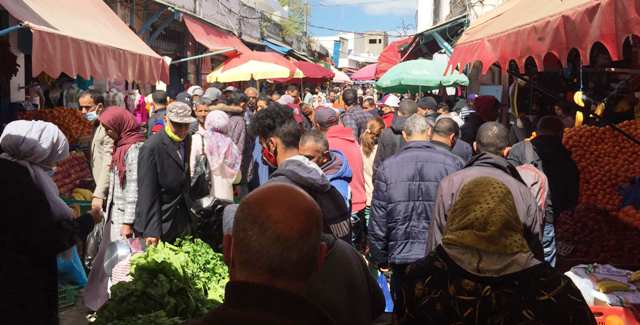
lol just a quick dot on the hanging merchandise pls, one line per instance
(9, 66)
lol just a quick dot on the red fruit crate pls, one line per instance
(606, 315)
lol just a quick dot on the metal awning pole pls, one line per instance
(200, 56)
(11, 29)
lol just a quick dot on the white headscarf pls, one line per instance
(38, 146)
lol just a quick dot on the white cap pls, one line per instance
(195, 91)
(392, 101)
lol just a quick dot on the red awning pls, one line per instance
(519, 29)
(214, 38)
(85, 38)
(391, 55)
(312, 72)
(366, 73)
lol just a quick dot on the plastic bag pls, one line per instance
(92, 244)
(70, 269)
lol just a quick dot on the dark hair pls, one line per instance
(564, 106)
(367, 138)
(492, 137)
(350, 97)
(445, 127)
(292, 88)
(550, 125)
(265, 98)
(276, 121)
(97, 96)
(443, 106)
(315, 136)
(370, 101)
(159, 97)
(408, 107)
(237, 98)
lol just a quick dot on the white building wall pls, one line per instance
(424, 15)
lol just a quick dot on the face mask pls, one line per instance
(269, 157)
(91, 116)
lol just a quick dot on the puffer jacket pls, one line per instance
(339, 173)
(390, 141)
(301, 172)
(404, 195)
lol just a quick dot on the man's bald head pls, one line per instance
(276, 234)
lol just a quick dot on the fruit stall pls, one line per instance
(599, 242)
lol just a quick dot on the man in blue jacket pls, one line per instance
(315, 146)
(404, 195)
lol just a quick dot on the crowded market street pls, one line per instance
(291, 162)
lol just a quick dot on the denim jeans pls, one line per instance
(549, 243)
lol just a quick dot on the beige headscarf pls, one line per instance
(484, 234)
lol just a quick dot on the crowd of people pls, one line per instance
(332, 188)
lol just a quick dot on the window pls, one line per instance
(379, 40)
(372, 41)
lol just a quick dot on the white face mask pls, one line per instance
(91, 116)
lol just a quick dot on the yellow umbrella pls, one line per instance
(256, 66)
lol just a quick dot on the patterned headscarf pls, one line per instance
(221, 151)
(485, 218)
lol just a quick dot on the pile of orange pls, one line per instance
(630, 215)
(606, 160)
(70, 121)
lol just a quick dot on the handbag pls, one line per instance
(208, 222)
(201, 179)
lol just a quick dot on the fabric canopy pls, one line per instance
(519, 29)
(391, 55)
(366, 73)
(340, 77)
(254, 65)
(419, 75)
(85, 38)
(214, 38)
(276, 47)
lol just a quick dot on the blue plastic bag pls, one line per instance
(384, 286)
(70, 269)
(631, 193)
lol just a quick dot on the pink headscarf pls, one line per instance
(221, 151)
(124, 124)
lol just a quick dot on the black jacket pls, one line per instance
(344, 286)
(252, 303)
(469, 129)
(301, 172)
(390, 141)
(163, 180)
(30, 239)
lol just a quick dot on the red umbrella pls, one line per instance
(312, 72)
(391, 55)
(366, 73)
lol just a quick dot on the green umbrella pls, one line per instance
(419, 75)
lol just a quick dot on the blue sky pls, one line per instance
(362, 15)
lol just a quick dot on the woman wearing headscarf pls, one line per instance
(222, 154)
(121, 126)
(484, 272)
(36, 225)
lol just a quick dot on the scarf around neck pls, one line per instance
(125, 125)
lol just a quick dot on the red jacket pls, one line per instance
(387, 118)
(341, 138)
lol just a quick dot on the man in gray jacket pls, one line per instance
(492, 145)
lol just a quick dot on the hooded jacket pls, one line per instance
(339, 174)
(341, 138)
(390, 141)
(403, 198)
(489, 165)
(301, 172)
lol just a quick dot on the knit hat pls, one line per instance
(326, 117)
(427, 103)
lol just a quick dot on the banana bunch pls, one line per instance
(634, 277)
(81, 194)
(608, 286)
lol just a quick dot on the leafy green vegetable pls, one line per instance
(182, 281)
